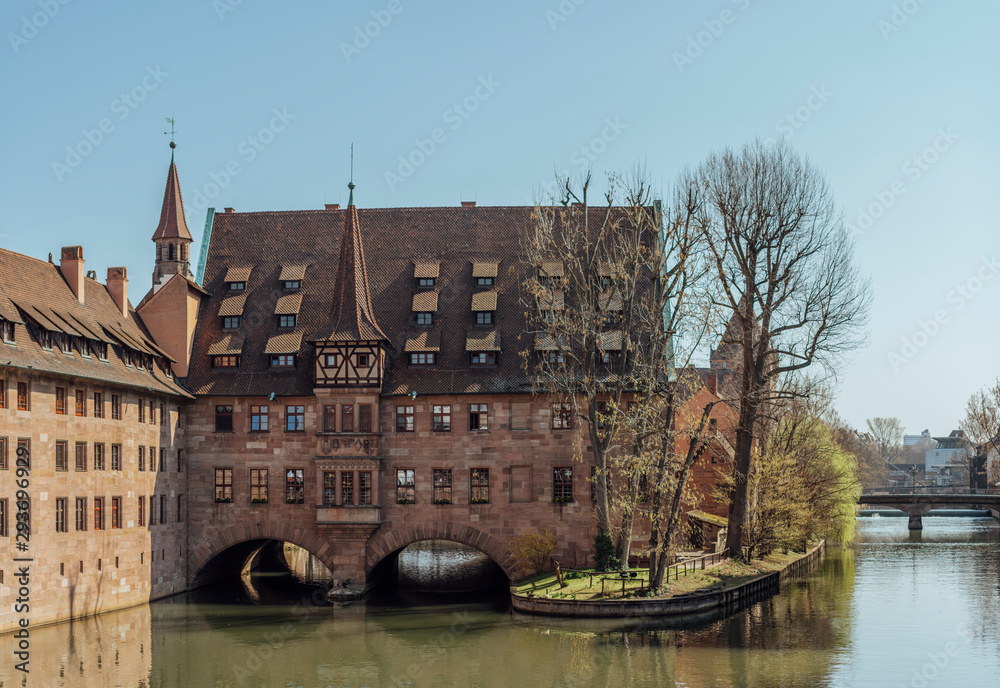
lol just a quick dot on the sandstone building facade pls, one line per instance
(348, 380)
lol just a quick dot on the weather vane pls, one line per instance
(170, 121)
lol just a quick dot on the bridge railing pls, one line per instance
(890, 489)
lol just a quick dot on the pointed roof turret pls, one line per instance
(172, 223)
(353, 317)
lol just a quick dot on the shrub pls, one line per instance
(607, 557)
(531, 550)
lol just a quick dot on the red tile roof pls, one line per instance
(44, 301)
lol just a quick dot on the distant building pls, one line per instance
(948, 462)
(925, 436)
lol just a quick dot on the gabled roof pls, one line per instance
(42, 300)
(172, 223)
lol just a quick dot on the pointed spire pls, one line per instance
(350, 184)
(172, 223)
(353, 317)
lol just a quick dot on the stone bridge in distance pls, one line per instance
(917, 501)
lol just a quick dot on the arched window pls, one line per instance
(171, 252)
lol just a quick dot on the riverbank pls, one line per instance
(726, 583)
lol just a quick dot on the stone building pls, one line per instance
(90, 397)
(347, 380)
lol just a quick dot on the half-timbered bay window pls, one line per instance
(405, 486)
(479, 480)
(441, 418)
(404, 419)
(295, 491)
(223, 417)
(442, 486)
(259, 418)
(562, 416)
(562, 484)
(258, 486)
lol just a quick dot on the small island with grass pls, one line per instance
(690, 586)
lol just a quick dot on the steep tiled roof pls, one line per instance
(42, 300)
(353, 317)
(448, 242)
(172, 223)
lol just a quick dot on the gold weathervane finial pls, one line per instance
(170, 121)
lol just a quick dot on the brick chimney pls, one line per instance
(713, 382)
(71, 267)
(118, 288)
(332, 206)
(468, 204)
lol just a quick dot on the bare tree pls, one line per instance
(887, 438)
(786, 272)
(981, 426)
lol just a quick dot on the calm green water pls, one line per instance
(871, 615)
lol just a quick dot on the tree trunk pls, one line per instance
(741, 472)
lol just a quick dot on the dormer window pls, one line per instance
(283, 361)
(291, 285)
(45, 340)
(101, 349)
(422, 358)
(426, 274)
(484, 318)
(225, 361)
(66, 344)
(7, 331)
(483, 358)
(291, 277)
(85, 347)
(286, 320)
(484, 281)
(237, 286)
(425, 319)
(484, 274)
(230, 322)
(551, 273)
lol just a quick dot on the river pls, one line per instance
(895, 609)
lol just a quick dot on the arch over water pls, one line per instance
(390, 542)
(227, 547)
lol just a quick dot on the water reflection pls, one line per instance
(871, 615)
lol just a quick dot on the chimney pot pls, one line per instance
(333, 206)
(468, 204)
(71, 266)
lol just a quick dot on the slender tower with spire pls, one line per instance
(172, 238)
(350, 347)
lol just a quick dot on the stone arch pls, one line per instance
(388, 542)
(227, 538)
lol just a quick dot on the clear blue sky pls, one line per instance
(513, 91)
